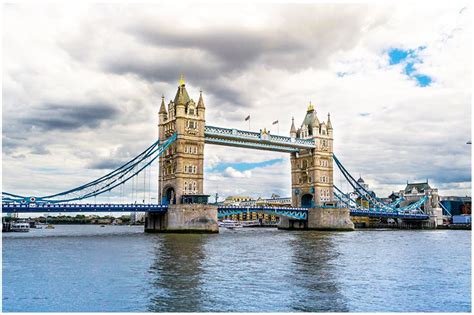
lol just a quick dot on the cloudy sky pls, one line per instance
(82, 86)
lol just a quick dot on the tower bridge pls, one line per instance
(183, 206)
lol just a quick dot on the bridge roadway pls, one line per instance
(291, 212)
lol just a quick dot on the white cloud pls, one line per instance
(233, 173)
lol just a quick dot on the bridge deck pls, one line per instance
(292, 212)
(43, 208)
(393, 215)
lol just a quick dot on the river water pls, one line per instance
(120, 268)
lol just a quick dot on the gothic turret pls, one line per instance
(293, 128)
(329, 121)
(310, 126)
(201, 101)
(162, 107)
(182, 96)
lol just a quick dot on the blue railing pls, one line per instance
(57, 207)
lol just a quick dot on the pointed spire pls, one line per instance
(310, 107)
(329, 121)
(162, 107)
(201, 101)
(293, 128)
(182, 97)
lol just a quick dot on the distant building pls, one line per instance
(137, 217)
(356, 200)
(274, 201)
(246, 201)
(415, 191)
(236, 200)
(394, 196)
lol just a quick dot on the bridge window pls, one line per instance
(192, 124)
(304, 164)
(190, 149)
(190, 169)
(191, 111)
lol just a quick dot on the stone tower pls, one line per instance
(182, 164)
(312, 169)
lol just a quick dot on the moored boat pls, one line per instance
(20, 227)
(229, 224)
(250, 223)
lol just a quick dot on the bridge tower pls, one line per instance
(312, 169)
(181, 166)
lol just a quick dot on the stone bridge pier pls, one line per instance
(322, 219)
(183, 218)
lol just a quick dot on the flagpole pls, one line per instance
(248, 118)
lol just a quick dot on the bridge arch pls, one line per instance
(307, 201)
(169, 195)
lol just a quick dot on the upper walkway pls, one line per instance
(255, 140)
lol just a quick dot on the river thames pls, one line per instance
(121, 269)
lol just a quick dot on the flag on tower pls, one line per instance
(275, 122)
(248, 117)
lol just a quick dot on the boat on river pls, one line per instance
(229, 224)
(20, 227)
(251, 223)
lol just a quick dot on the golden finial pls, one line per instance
(181, 80)
(310, 107)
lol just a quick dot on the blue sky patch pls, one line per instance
(243, 166)
(397, 55)
(341, 74)
(409, 59)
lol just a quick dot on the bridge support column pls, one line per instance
(325, 219)
(183, 218)
(337, 219)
